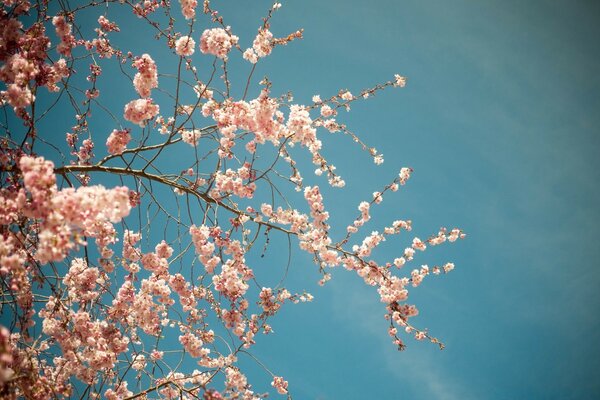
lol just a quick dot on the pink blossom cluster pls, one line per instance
(260, 116)
(18, 96)
(188, 8)
(117, 141)
(13, 270)
(130, 252)
(297, 221)
(88, 344)
(272, 302)
(39, 180)
(193, 345)
(301, 130)
(261, 46)
(234, 320)
(81, 281)
(417, 275)
(153, 263)
(364, 208)
(84, 206)
(316, 238)
(187, 299)
(231, 281)
(404, 175)
(204, 247)
(106, 235)
(119, 392)
(217, 41)
(368, 244)
(191, 136)
(346, 95)
(399, 80)
(23, 60)
(85, 152)
(140, 309)
(65, 212)
(6, 358)
(101, 44)
(397, 226)
(146, 78)
(232, 182)
(184, 46)
(140, 111)
(235, 380)
(202, 91)
(443, 235)
(63, 31)
(106, 25)
(143, 8)
(280, 384)
(392, 290)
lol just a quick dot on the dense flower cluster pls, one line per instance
(117, 141)
(261, 47)
(188, 8)
(232, 182)
(184, 46)
(63, 31)
(66, 212)
(146, 78)
(23, 53)
(217, 41)
(140, 111)
(191, 136)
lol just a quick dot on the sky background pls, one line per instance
(500, 121)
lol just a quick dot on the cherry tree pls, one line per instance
(131, 248)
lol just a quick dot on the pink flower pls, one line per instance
(404, 175)
(106, 25)
(147, 77)
(117, 141)
(280, 384)
(263, 43)
(63, 31)
(250, 56)
(399, 80)
(18, 96)
(191, 137)
(217, 41)
(140, 111)
(184, 46)
(188, 8)
(346, 95)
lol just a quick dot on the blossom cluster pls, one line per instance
(217, 41)
(140, 111)
(117, 141)
(100, 291)
(146, 78)
(261, 46)
(68, 211)
(184, 46)
(24, 56)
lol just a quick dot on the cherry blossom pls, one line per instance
(184, 46)
(124, 236)
(217, 41)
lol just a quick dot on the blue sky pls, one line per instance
(500, 122)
